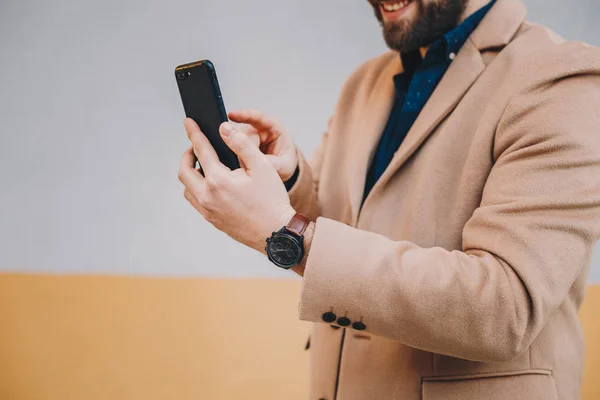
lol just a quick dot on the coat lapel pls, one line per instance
(494, 31)
(459, 77)
(376, 111)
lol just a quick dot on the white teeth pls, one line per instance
(395, 6)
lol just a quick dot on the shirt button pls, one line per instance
(452, 56)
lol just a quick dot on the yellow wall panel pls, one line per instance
(97, 337)
(135, 338)
(590, 318)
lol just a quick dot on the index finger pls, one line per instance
(257, 119)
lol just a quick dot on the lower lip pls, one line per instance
(394, 15)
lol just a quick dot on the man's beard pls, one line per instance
(432, 20)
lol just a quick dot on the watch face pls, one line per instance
(285, 250)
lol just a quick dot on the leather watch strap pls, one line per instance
(298, 224)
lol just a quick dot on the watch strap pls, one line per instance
(298, 224)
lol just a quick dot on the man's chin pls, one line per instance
(400, 38)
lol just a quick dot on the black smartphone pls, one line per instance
(202, 102)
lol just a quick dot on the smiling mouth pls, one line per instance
(394, 6)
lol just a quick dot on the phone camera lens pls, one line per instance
(181, 75)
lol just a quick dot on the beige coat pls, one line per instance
(467, 262)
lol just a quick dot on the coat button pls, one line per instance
(344, 321)
(329, 317)
(359, 326)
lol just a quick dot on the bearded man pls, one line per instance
(444, 226)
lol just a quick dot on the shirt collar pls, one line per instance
(456, 38)
(450, 43)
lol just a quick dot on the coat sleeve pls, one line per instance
(303, 194)
(522, 248)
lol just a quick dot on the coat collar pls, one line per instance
(500, 25)
(496, 30)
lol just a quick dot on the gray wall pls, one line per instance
(91, 122)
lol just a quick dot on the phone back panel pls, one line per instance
(202, 101)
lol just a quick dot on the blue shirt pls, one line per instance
(413, 88)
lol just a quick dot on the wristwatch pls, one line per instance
(285, 248)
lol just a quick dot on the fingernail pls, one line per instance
(227, 128)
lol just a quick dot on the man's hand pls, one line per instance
(248, 203)
(268, 134)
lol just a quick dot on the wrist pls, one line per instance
(285, 246)
(285, 218)
(275, 225)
